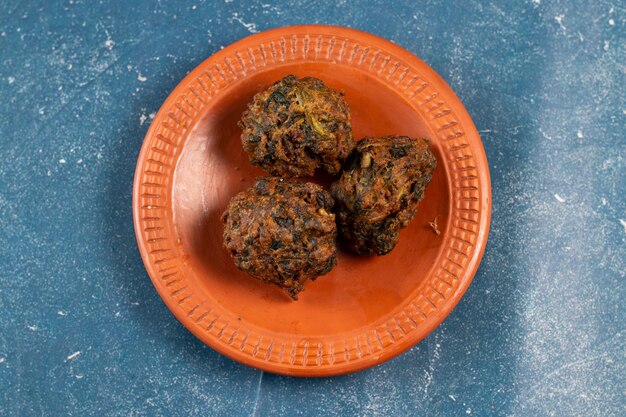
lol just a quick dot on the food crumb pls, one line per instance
(433, 225)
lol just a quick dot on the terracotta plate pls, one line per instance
(366, 310)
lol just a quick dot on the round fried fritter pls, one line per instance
(379, 192)
(282, 232)
(297, 126)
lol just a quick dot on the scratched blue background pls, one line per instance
(541, 329)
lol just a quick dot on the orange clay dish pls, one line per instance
(367, 309)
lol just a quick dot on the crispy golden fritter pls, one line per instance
(297, 126)
(282, 232)
(378, 193)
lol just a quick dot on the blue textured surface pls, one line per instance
(540, 332)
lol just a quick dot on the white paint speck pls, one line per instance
(69, 66)
(109, 42)
(468, 411)
(452, 397)
(10, 79)
(559, 198)
(62, 161)
(151, 115)
(32, 327)
(134, 303)
(2, 359)
(78, 376)
(559, 20)
(73, 356)
(606, 45)
(129, 67)
(611, 22)
(62, 313)
(604, 202)
(142, 119)
(141, 78)
(117, 314)
(544, 134)
(623, 222)
(49, 173)
(193, 7)
(579, 134)
(250, 26)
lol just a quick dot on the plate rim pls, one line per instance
(394, 349)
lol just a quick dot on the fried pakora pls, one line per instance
(379, 192)
(282, 232)
(297, 126)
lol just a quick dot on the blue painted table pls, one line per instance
(541, 331)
